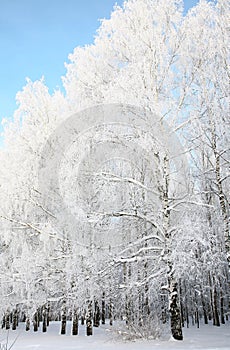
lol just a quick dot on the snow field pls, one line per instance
(104, 338)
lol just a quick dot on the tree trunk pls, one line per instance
(127, 310)
(181, 308)
(204, 309)
(110, 312)
(83, 317)
(222, 202)
(75, 322)
(197, 318)
(48, 315)
(212, 314)
(27, 324)
(14, 319)
(63, 318)
(35, 321)
(174, 306)
(44, 319)
(89, 326)
(7, 320)
(222, 308)
(174, 309)
(3, 321)
(215, 304)
(103, 309)
(96, 316)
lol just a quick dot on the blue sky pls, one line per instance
(36, 37)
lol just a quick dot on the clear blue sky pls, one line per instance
(36, 37)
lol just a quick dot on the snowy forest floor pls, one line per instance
(104, 338)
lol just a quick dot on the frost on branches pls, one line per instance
(115, 195)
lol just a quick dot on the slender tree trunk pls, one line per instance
(222, 202)
(89, 325)
(35, 321)
(17, 318)
(3, 321)
(222, 308)
(125, 278)
(48, 315)
(110, 312)
(63, 318)
(221, 302)
(212, 314)
(215, 304)
(96, 316)
(221, 195)
(7, 320)
(14, 319)
(146, 302)
(163, 309)
(174, 305)
(204, 308)
(140, 298)
(39, 316)
(181, 307)
(75, 322)
(127, 311)
(82, 317)
(103, 309)
(187, 316)
(197, 318)
(44, 319)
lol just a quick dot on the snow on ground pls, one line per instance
(205, 338)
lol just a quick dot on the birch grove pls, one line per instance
(115, 193)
